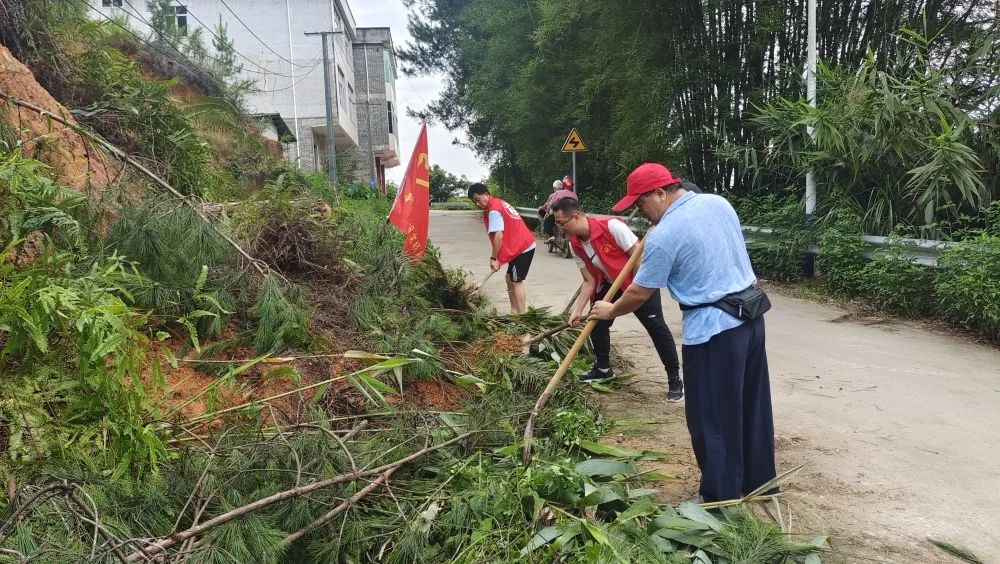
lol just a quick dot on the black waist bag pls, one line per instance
(746, 304)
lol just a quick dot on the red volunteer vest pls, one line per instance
(516, 235)
(612, 256)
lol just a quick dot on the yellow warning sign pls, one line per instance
(574, 143)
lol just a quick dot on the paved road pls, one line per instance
(900, 425)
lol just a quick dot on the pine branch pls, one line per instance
(258, 264)
(326, 517)
(158, 546)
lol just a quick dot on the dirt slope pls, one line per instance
(76, 164)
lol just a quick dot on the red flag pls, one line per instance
(411, 211)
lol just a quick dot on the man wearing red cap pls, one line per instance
(696, 250)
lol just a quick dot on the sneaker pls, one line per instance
(597, 374)
(675, 392)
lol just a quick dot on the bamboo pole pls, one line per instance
(483, 283)
(529, 429)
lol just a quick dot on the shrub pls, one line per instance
(778, 256)
(841, 255)
(895, 283)
(967, 284)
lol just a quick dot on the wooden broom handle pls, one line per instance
(529, 429)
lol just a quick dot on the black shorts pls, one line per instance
(517, 269)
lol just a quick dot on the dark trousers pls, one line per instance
(549, 224)
(650, 314)
(728, 408)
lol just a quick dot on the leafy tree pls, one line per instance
(163, 21)
(227, 66)
(646, 80)
(444, 185)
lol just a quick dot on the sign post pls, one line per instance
(574, 144)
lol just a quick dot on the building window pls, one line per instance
(180, 12)
(350, 101)
(341, 88)
(392, 118)
(387, 63)
(111, 3)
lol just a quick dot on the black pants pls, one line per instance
(549, 224)
(728, 408)
(650, 314)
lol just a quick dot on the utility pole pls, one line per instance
(809, 262)
(331, 150)
(811, 98)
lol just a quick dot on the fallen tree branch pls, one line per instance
(158, 546)
(51, 490)
(532, 340)
(326, 517)
(529, 429)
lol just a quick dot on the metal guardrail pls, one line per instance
(920, 251)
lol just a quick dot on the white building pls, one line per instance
(286, 64)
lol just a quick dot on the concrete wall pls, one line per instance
(285, 63)
(372, 51)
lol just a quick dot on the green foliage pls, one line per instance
(777, 255)
(902, 142)
(282, 320)
(182, 260)
(519, 74)
(893, 282)
(445, 185)
(967, 284)
(135, 113)
(73, 353)
(244, 160)
(30, 202)
(841, 255)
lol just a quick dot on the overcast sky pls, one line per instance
(417, 93)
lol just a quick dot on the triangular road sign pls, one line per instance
(574, 143)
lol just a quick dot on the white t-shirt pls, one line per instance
(623, 237)
(496, 223)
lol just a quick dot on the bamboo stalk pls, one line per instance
(157, 546)
(529, 429)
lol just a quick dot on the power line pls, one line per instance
(298, 79)
(262, 42)
(177, 48)
(209, 29)
(183, 61)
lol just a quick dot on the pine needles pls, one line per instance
(956, 551)
(282, 321)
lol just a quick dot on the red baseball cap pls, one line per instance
(646, 178)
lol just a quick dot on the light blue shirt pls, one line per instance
(697, 252)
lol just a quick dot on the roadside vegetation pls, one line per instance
(240, 371)
(905, 141)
